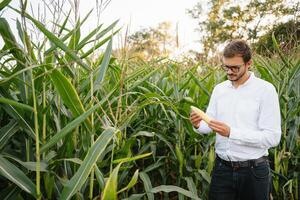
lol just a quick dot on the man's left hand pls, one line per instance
(220, 127)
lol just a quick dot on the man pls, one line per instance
(246, 117)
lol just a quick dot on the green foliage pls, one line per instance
(227, 19)
(287, 35)
(118, 129)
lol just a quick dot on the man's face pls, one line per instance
(235, 67)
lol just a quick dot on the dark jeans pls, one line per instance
(244, 183)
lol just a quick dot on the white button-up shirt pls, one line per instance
(252, 112)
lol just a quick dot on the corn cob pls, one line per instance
(202, 114)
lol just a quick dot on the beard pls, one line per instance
(237, 76)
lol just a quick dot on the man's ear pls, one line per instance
(249, 63)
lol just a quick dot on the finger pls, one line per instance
(215, 125)
(195, 120)
(216, 128)
(195, 117)
(194, 113)
(216, 122)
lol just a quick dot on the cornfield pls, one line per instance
(78, 126)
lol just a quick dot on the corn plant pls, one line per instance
(283, 72)
(77, 123)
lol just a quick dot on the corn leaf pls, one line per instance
(172, 188)
(132, 182)
(55, 40)
(68, 94)
(68, 128)
(111, 186)
(132, 158)
(147, 184)
(6, 132)
(4, 3)
(104, 65)
(10, 43)
(16, 104)
(100, 178)
(191, 185)
(84, 170)
(15, 175)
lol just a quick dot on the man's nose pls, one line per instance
(229, 71)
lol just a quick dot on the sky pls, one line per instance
(136, 14)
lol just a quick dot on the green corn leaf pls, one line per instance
(191, 185)
(100, 178)
(75, 38)
(10, 193)
(99, 44)
(17, 116)
(132, 182)
(18, 73)
(155, 165)
(162, 138)
(84, 170)
(68, 35)
(144, 133)
(147, 184)
(199, 83)
(62, 28)
(68, 94)
(205, 175)
(73, 160)
(283, 58)
(264, 72)
(7, 132)
(142, 80)
(68, 128)
(132, 158)
(15, 175)
(4, 3)
(171, 188)
(107, 29)
(11, 44)
(98, 36)
(29, 165)
(111, 186)
(135, 197)
(104, 65)
(55, 40)
(83, 42)
(16, 104)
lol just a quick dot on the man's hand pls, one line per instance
(195, 119)
(220, 127)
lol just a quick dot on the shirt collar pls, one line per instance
(248, 81)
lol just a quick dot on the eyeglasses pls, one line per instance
(233, 68)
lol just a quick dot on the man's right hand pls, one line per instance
(195, 119)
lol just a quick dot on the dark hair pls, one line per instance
(237, 48)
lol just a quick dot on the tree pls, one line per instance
(152, 42)
(287, 34)
(222, 20)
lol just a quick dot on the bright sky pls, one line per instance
(138, 13)
(148, 13)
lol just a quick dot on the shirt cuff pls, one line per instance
(203, 128)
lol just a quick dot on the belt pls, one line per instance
(247, 163)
